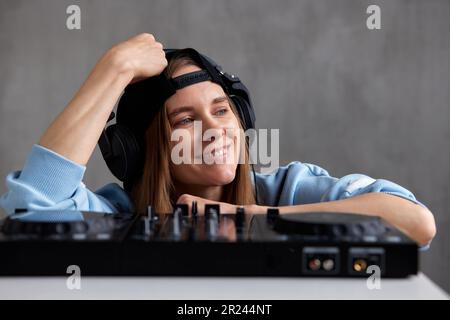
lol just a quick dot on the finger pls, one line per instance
(158, 45)
(184, 198)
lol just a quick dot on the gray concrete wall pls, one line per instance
(345, 98)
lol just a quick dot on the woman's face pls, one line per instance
(206, 102)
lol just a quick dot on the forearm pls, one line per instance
(75, 131)
(414, 220)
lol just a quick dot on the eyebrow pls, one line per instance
(179, 110)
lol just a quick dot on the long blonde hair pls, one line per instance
(155, 187)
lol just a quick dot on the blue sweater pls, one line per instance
(50, 181)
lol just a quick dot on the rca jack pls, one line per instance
(360, 265)
(328, 265)
(314, 264)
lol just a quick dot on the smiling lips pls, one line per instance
(219, 152)
(217, 155)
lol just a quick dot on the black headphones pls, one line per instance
(123, 144)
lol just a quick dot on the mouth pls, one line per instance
(220, 152)
(218, 155)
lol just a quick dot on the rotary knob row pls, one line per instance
(16, 227)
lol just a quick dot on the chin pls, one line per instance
(219, 174)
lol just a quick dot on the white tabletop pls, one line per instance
(192, 288)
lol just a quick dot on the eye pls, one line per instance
(184, 121)
(221, 112)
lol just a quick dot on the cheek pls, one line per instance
(182, 140)
(238, 136)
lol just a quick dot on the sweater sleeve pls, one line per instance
(302, 183)
(49, 181)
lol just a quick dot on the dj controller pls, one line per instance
(184, 243)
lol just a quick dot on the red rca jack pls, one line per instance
(314, 264)
(320, 260)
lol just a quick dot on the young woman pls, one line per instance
(52, 175)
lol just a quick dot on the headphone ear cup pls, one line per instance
(126, 152)
(245, 112)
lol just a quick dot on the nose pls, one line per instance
(209, 121)
(213, 129)
(211, 124)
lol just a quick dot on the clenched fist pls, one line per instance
(140, 57)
